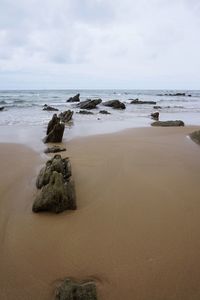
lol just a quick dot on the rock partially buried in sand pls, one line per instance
(66, 116)
(76, 98)
(71, 290)
(115, 104)
(137, 101)
(56, 135)
(54, 149)
(176, 123)
(58, 164)
(195, 136)
(49, 108)
(56, 196)
(89, 104)
(155, 116)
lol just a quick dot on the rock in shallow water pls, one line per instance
(89, 104)
(155, 116)
(76, 98)
(55, 130)
(66, 116)
(71, 290)
(49, 108)
(176, 123)
(115, 104)
(54, 149)
(137, 101)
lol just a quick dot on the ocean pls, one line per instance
(25, 108)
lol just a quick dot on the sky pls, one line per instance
(99, 44)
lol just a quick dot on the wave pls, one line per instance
(3, 102)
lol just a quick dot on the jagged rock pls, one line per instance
(49, 108)
(137, 101)
(89, 104)
(71, 290)
(66, 116)
(157, 107)
(55, 120)
(56, 196)
(58, 164)
(54, 149)
(56, 135)
(155, 116)
(76, 98)
(104, 112)
(115, 104)
(2, 108)
(175, 123)
(85, 112)
(195, 136)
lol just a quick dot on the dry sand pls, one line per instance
(136, 230)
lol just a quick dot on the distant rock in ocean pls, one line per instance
(2, 108)
(76, 98)
(137, 101)
(114, 104)
(49, 108)
(89, 104)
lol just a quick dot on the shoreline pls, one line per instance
(136, 227)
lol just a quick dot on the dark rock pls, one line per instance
(49, 108)
(136, 101)
(2, 108)
(66, 116)
(89, 104)
(173, 94)
(104, 112)
(195, 136)
(55, 120)
(155, 116)
(56, 196)
(115, 104)
(56, 134)
(58, 164)
(176, 123)
(71, 290)
(157, 107)
(76, 98)
(54, 149)
(85, 112)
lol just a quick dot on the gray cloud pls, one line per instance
(99, 43)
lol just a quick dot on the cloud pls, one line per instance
(99, 43)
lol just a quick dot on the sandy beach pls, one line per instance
(136, 230)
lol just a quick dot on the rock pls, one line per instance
(155, 116)
(104, 112)
(76, 98)
(71, 290)
(58, 164)
(56, 196)
(49, 108)
(56, 134)
(55, 120)
(173, 95)
(89, 104)
(66, 116)
(195, 136)
(85, 112)
(2, 108)
(157, 107)
(136, 101)
(176, 123)
(115, 104)
(54, 149)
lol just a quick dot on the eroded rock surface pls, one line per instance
(66, 116)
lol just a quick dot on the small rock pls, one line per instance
(54, 149)
(115, 104)
(104, 112)
(2, 108)
(66, 116)
(49, 108)
(155, 116)
(76, 98)
(85, 112)
(175, 123)
(137, 101)
(71, 290)
(157, 107)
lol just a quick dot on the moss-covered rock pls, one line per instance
(71, 290)
(195, 136)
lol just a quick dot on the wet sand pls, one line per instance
(136, 230)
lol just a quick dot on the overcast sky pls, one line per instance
(100, 44)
